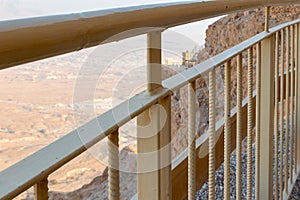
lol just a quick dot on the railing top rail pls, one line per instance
(179, 80)
(32, 39)
(13, 180)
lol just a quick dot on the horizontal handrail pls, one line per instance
(28, 40)
(13, 180)
(73, 144)
(191, 74)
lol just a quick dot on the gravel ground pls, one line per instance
(296, 191)
(203, 192)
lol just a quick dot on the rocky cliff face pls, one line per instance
(223, 34)
(234, 28)
(226, 33)
(98, 188)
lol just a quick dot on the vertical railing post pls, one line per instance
(113, 166)
(239, 127)
(276, 114)
(267, 119)
(287, 109)
(297, 100)
(227, 130)
(192, 141)
(41, 190)
(292, 132)
(154, 164)
(165, 149)
(249, 123)
(153, 61)
(257, 123)
(281, 112)
(267, 18)
(211, 132)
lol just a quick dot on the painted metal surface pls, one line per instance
(297, 96)
(258, 119)
(239, 127)
(292, 104)
(281, 113)
(267, 118)
(287, 106)
(275, 121)
(28, 40)
(211, 133)
(165, 151)
(192, 141)
(148, 127)
(41, 190)
(113, 166)
(249, 122)
(227, 131)
(179, 166)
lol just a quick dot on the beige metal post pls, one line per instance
(113, 166)
(227, 131)
(267, 18)
(148, 126)
(250, 123)
(41, 190)
(153, 61)
(287, 108)
(297, 100)
(276, 115)
(211, 132)
(148, 144)
(281, 112)
(257, 123)
(292, 132)
(192, 142)
(239, 127)
(296, 93)
(154, 133)
(165, 150)
(267, 119)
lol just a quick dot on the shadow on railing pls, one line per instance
(276, 50)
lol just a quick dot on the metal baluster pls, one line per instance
(287, 110)
(281, 111)
(267, 18)
(250, 123)
(276, 114)
(296, 96)
(41, 190)
(165, 149)
(227, 131)
(192, 142)
(292, 104)
(257, 138)
(239, 128)
(212, 121)
(113, 166)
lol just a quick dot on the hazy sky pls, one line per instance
(12, 9)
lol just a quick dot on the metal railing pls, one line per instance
(277, 58)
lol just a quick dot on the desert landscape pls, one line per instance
(41, 102)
